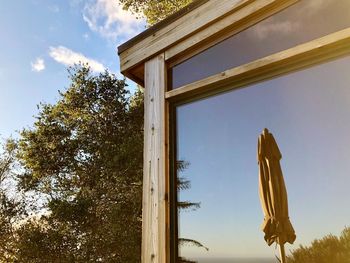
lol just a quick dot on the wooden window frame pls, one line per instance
(159, 178)
(305, 55)
(208, 24)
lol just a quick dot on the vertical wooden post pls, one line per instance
(154, 215)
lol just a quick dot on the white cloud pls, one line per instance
(108, 18)
(68, 57)
(38, 65)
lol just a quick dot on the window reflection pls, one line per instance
(302, 22)
(218, 202)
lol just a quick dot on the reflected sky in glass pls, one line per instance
(308, 113)
(300, 23)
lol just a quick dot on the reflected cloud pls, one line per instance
(289, 25)
(314, 5)
(264, 30)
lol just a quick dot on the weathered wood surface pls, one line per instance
(296, 58)
(201, 17)
(154, 216)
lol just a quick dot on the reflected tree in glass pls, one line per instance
(185, 184)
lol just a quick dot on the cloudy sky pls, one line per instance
(40, 38)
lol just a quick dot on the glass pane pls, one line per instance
(218, 201)
(302, 22)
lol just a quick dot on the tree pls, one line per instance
(11, 207)
(154, 10)
(82, 164)
(84, 159)
(328, 249)
(185, 184)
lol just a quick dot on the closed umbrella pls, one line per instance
(273, 194)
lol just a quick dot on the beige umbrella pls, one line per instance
(273, 194)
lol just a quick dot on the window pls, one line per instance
(302, 22)
(219, 213)
(288, 73)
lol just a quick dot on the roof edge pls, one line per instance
(187, 9)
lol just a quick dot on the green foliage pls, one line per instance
(81, 164)
(84, 159)
(11, 206)
(154, 10)
(328, 249)
(42, 240)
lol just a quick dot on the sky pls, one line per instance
(41, 38)
(308, 114)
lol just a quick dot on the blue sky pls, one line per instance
(40, 38)
(308, 113)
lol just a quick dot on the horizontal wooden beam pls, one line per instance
(205, 17)
(296, 58)
(137, 79)
(176, 31)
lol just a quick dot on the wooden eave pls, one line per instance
(137, 72)
(198, 26)
(123, 47)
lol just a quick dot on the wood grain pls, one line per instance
(186, 25)
(154, 218)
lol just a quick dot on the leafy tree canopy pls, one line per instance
(81, 164)
(11, 208)
(328, 249)
(154, 10)
(83, 157)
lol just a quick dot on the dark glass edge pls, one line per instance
(173, 184)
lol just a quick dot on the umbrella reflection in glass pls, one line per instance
(273, 194)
